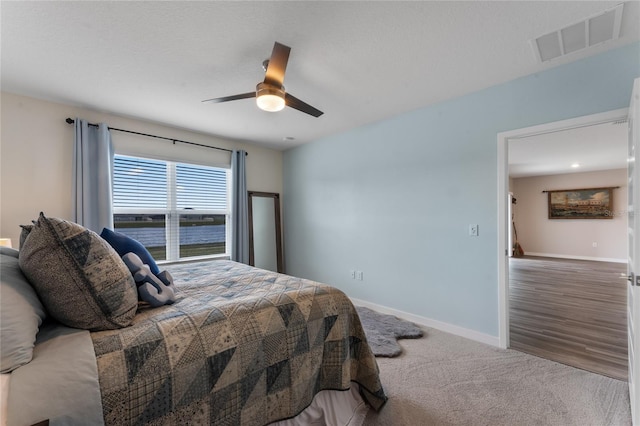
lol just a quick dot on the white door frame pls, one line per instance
(633, 268)
(504, 221)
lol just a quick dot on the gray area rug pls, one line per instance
(449, 380)
(383, 330)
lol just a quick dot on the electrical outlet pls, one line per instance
(359, 275)
(353, 274)
(473, 230)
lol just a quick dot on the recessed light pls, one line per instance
(575, 165)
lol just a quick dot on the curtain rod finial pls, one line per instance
(70, 120)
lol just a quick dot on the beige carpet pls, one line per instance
(443, 379)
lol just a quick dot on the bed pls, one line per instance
(240, 346)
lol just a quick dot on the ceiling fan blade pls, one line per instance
(295, 103)
(277, 65)
(232, 98)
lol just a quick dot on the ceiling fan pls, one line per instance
(270, 94)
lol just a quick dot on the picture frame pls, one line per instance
(589, 203)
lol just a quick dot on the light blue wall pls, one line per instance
(395, 199)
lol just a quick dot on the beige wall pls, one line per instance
(36, 149)
(571, 238)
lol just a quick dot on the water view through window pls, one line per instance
(200, 234)
(149, 229)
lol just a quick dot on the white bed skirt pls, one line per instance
(332, 408)
(4, 397)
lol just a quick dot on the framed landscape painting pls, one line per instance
(591, 203)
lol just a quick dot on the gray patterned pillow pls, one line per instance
(24, 233)
(79, 277)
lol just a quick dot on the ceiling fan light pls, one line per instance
(269, 98)
(271, 103)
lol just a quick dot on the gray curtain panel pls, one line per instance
(92, 176)
(239, 209)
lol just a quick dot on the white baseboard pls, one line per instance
(428, 322)
(566, 256)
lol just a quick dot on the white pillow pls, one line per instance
(21, 313)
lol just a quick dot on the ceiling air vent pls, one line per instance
(590, 32)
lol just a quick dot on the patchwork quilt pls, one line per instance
(240, 346)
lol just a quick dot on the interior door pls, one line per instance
(633, 289)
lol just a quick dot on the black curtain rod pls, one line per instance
(71, 121)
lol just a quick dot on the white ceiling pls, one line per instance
(359, 62)
(597, 147)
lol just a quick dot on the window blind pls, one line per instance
(139, 183)
(200, 188)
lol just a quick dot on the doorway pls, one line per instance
(504, 219)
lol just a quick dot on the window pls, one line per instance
(175, 210)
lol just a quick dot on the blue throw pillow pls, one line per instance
(124, 244)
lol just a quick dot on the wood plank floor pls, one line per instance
(570, 311)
